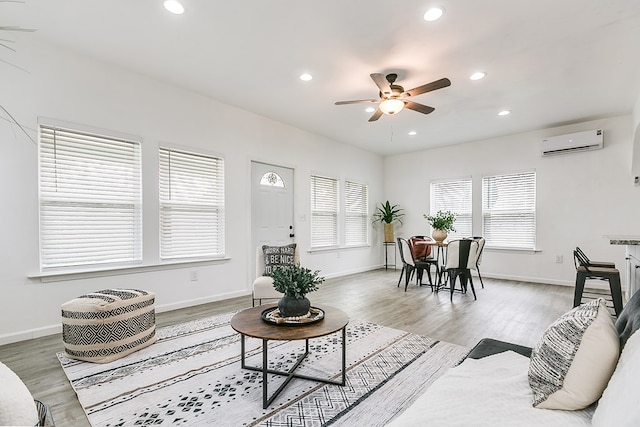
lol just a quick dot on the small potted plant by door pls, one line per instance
(442, 223)
(295, 282)
(387, 214)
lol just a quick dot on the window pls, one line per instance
(272, 179)
(509, 210)
(191, 205)
(356, 223)
(454, 196)
(90, 199)
(324, 212)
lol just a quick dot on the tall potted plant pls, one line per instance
(442, 223)
(295, 282)
(387, 214)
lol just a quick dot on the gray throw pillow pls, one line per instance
(278, 256)
(575, 358)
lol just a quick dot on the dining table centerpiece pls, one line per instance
(441, 223)
(387, 214)
(295, 282)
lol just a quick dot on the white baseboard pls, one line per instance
(199, 301)
(30, 334)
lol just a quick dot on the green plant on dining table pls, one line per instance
(442, 220)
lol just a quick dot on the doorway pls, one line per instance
(271, 207)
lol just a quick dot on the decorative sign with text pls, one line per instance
(278, 256)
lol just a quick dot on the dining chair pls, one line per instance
(586, 271)
(409, 265)
(422, 253)
(462, 255)
(481, 241)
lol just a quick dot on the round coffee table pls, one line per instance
(249, 323)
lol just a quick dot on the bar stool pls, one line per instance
(612, 275)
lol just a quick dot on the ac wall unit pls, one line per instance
(573, 142)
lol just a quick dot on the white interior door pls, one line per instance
(271, 206)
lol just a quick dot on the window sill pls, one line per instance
(337, 248)
(504, 249)
(63, 275)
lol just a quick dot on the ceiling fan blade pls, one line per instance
(381, 81)
(360, 101)
(424, 109)
(376, 115)
(438, 84)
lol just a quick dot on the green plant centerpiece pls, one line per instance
(442, 223)
(295, 282)
(387, 214)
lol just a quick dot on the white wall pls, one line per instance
(68, 87)
(581, 197)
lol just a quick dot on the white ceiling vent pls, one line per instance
(572, 142)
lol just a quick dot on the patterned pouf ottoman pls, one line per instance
(106, 325)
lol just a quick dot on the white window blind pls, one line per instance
(90, 199)
(191, 205)
(324, 212)
(509, 210)
(455, 196)
(356, 200)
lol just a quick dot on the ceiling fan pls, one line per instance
(393, 98)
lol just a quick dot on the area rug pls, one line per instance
(192, 377)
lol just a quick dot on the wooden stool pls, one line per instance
(612, 275)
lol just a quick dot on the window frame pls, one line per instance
(460, 184)
(360, 216)
(86, 171)
(191, 167)
(328, 211)
(527, 198)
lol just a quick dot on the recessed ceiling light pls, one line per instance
(306, 77)
(478, 75)
(433, 14)
(174, 6)
(504, 113)
(412, 133)
(370, 110)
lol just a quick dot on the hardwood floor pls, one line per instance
(511, 311)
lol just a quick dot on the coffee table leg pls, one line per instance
(265, 399)
(344, 355)
(242, 365)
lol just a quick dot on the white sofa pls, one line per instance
(17, 406)
(491, 388)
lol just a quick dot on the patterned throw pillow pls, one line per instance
(573, 361)
(278, 256)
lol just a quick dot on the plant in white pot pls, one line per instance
(387, 214)
(295, 282)
(441, 223)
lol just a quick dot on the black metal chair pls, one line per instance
(461, 258)
(481, 242)
(585, 270)
(409, 265)
(421, 253)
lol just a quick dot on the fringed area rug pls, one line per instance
(192, 377)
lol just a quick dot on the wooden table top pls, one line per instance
(249, 322)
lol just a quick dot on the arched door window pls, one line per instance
(272, 179)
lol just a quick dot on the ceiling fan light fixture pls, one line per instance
(391, 106)
(433, 14)
(174, 7)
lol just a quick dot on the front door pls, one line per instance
(271, 206)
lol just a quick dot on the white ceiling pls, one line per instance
(550, 62)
